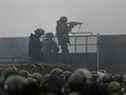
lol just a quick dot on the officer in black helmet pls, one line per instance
(35, 44)
(49, 48)
(62, 33)
(63, 29)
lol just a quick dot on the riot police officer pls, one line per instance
(49, 48)
(35, 44)
(62, 33)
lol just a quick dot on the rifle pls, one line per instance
(74, 23)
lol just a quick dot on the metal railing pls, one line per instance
(83, 42)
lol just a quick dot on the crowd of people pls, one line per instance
(59, 81)
(48, 48)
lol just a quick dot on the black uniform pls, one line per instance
(62, 33)
(34, 47)
(49, 49)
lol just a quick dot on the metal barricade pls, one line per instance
(80, 43)
(83, 43)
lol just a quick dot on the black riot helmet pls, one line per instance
(63, 19)
(39, 31)
(49, 35)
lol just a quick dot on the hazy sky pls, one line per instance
(21, 17)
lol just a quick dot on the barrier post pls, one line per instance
(86, 44)
(75, 44)
(98, 53)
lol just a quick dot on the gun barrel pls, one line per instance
(75, 23)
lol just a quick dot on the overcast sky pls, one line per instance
(21, 17)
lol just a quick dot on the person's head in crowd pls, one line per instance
(117, 77)
(107, 79)
(101, 75)
(56, 72)
(24, 73)
(77, 80)
(66, 74)
(38, 77)
(14, 85)
(11, 70)
(94, 76)
(84, 72)
(114, 88)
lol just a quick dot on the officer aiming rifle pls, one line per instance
(63, 29)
